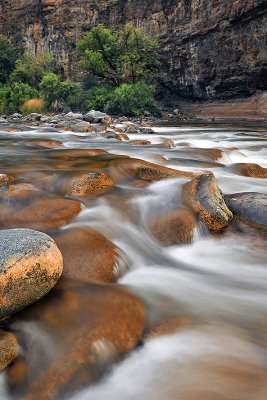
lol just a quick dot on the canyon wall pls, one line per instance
(209, 48)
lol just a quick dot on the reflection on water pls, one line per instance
(219, 281)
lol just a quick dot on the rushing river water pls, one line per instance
(218, 283)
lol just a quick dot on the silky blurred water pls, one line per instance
(219, 281)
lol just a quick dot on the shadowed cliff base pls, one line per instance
(252, 109)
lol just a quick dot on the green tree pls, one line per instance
(118, 56)
(30, 69)
(7, 58)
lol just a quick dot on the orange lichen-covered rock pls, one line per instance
(85, 185)
(8, 348)
(30, 265)
(252, 170)
(133, 167)
(89, 325)
(204, 197)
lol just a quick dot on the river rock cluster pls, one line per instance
(46, 270)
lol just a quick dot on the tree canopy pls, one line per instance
(119, 56)
(8, 57)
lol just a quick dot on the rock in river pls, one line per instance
(176, 227)
(30, 265)
(89, 256)
(204, 197)
(249, 169)
(92, 183)
(249, 207)
(87, 326)
(8, 348)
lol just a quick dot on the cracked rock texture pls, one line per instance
(210, 48)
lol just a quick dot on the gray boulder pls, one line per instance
(249, 207)
(97, 117)
(30, 265)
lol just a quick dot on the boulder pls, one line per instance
(133, 167)
(177, 227)
(71, 115)
(8, 348)
(19, 192)
(89, 256)
(132, 128)
(43, 213)
(76, 126)
(92, 183)
(204, 197)
(5, 180)
(97, 117)
(249, 207)
(251, 170)
(16, 116)
(147, 130)
(30, 265)
(88, 325)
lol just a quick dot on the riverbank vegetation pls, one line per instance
(118, 70)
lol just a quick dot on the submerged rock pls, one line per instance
(249, 207)
(87, 327)
(30, 265)
(174, 228)
(150, 172)
(48, 144)
(169, 326)
(8, 348)
(89, 256)
(42, 212)
(204, 197)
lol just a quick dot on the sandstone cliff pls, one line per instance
(210, 48)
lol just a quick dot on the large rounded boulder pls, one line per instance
(204, 197)
(249, 207)
(86, 327)
(30, 265)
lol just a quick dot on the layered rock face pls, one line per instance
(210, 48)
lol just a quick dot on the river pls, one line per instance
(219, 281)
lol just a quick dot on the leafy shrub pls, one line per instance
(132, 100)
(98, 97)
(69, 93)
(15, 95)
